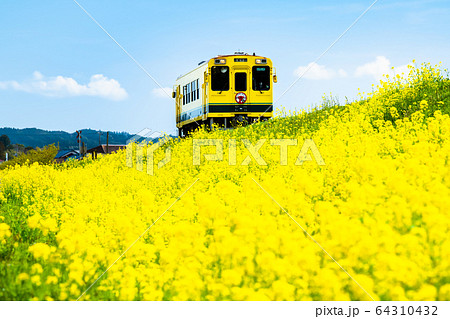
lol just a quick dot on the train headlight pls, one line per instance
(261, 61)
(220, 61)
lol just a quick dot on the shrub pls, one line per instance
(43, 155)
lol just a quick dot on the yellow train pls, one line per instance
(225, 90)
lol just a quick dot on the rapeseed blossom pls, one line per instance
(41, 250)
(4, 230)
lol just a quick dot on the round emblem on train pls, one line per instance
(241, 97)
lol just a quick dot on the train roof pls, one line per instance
(222, 56)
(239, 54)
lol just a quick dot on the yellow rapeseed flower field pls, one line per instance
(379, 206)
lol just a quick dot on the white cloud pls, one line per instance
(60, 86)
(342, 73)
(162, 92)
(314, 71)
(380, 67)
(37, 75)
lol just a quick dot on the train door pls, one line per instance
(241, 87)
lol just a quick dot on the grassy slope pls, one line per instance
(391, 102)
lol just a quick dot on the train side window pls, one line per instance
(184, 94)
(240, 81)
(189, 93)
(193, 90)
(220, 78)
(198, 90)
(261, 78)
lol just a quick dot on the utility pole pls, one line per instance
(99, 137)
(107, 142)
(79, 142)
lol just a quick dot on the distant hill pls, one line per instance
(38, 138)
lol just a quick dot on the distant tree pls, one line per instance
(4, 139)
(2, 150)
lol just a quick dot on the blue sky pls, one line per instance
(60, 71)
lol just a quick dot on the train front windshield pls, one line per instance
(220, 78)
(261, 78)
